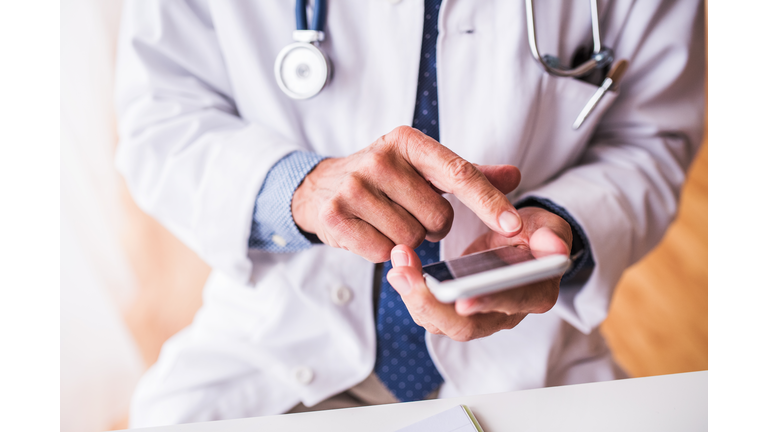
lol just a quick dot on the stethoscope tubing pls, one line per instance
(600, 56)
(310, 38)
(318, 15)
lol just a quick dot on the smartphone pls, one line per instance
(491, 271)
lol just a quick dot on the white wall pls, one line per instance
(100, 362)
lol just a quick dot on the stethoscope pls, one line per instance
(302, 70)
(601, 57)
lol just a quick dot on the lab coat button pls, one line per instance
(276, 239)
(303, 375)
(341, 295)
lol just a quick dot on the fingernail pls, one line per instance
(399, 283)
(400, 258)
(509, 222)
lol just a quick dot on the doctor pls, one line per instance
(436, 120)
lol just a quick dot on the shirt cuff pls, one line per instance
(581, 254)
(273, 228)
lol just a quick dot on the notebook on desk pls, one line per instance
(456, 419)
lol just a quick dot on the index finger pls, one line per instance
(452, 174)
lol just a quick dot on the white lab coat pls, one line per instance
(202, 120)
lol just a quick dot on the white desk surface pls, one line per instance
(675, 402)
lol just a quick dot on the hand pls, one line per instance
(467, 319)
(390, 193)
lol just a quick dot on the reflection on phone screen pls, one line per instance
(478, 262)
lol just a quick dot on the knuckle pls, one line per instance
(380, 143)
(414, 235)
(549, 300)
(337, 225)
(512, 321)
(428, 326)
(402, 137)
(550, 295)
(440, 218)
(546, 299)
(379, 256)
(465, 333)
(460, 170)
(375, 161)
(418, 309)
(354, 183)
(486, 200)
(417, 320)
(489, 197)
(402, 132)
(432, 329)
(331, 214)
(353, 188)
(462, 336)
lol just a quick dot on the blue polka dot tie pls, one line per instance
(402, 361)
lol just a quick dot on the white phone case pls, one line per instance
(499, 279)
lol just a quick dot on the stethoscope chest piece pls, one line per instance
(302, 70)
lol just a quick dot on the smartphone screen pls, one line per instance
(478, 262)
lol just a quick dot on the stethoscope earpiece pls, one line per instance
(302, 70)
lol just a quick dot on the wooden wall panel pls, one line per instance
(658, 322)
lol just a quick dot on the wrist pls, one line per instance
(303, 209)
(273, 228)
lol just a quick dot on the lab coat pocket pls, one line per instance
(553, 144)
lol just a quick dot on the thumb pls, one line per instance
(544, 241)
(406, 270)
